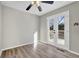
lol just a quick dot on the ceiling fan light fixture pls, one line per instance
(36, 3)
(33, 2)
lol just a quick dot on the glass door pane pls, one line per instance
(61, 25)
(51, 30)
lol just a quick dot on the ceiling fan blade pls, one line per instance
(29, 7)
(48, 2)
(39, 8)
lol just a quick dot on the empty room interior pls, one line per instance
(39, 29)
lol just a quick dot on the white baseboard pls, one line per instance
(73, 52)
(62, 48)
(16, 46)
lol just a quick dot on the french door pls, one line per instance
(58, 29)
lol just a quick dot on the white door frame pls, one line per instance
(66, 30)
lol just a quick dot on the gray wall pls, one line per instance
(0, 27)
(18, 27)
(73, 17)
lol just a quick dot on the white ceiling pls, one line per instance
(22, 5)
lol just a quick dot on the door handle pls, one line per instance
(54, 31)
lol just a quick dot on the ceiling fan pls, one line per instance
(38, 5)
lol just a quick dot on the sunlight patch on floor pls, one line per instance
(35, 39)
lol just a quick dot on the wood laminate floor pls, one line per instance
(41, 51)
